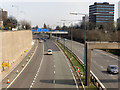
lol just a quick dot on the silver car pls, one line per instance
(112, 69)
(49, 52)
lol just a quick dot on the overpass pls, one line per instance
(50, 32)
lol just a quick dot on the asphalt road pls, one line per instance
(13, 73)
(45, 71)
(54, 71)
(26, 77)
(99, 64)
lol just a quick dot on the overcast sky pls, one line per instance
(39, 12)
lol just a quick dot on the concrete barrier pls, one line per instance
(14, 43)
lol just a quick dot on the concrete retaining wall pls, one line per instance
(14, 43)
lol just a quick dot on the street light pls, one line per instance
(24, 27)
(17, 13)
(84, 40)
(70, 21)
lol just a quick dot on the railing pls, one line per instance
(94, 79)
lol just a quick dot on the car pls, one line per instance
(49, 52)
(40, 41)
(65, 39)
(112, 69)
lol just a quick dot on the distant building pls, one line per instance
(101, 12)
(119, 9)
(1, 19)
(3, 15)
(118, 20)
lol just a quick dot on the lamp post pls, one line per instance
(71, 21)
(24, 20)
(84, 41)
(17, 14)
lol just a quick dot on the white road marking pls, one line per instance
(21, 70)
(32, 84)
(53, 81)
(14, 67)
(54, 72)
(69, 66)
(38, 68)
(107, 54)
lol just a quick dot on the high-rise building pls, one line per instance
(101, 12)
(3, 15)
(119, 9)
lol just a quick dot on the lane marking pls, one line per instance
(104, 53)
(22, 69)
(38, 68)
(16, 65)
(53, 81)
(54, 72)
(68, 66)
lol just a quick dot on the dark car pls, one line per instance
(112, 69)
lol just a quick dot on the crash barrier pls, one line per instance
(94, 79)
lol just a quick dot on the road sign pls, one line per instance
(5, 64)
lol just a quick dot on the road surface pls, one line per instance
(46, 71)
(99, 64)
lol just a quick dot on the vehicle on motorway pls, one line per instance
(65, 39)
(112, 69)
(43, 39)
(49, 52)
(40, 41)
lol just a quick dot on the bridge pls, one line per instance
(50, 32)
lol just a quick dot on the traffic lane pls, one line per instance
(63, 75)
(45, 77)
(108, 80)
(54, 72)
(13, 73)
(100, 62)
(50, 45)
(26, 77)
(96, 56)
(46, 74)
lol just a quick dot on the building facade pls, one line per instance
(119, 9)
(101, 13)
(3, 15)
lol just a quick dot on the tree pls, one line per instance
(10, 22)
(25, 24)
(58, 28)
(45, 27)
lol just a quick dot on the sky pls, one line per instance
(50, 12)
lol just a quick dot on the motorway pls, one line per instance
(45, 71)
(99, 63)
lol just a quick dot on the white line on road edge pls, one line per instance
(92, 73)
(53, 81)
(14, 67)
(103, 52)
(54, 72)
(69, 66)
(21, 70)
(38, 69)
